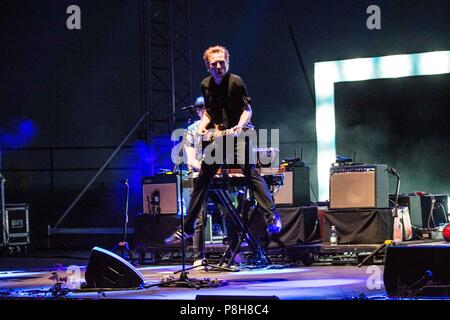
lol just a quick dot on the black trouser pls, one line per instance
(199, 229)
(254, 181)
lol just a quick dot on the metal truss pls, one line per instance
(166, 62)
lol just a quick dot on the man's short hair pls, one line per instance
(216, 49)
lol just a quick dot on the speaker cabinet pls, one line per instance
(359, 186)
(439, 210)
(420, 208)
(107, 270)
(417, 270)
(160, 194)
(295, 190)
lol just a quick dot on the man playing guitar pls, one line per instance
(228, 109)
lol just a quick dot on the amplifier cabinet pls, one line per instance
(435, 205)
(160, 194)
(420, 208)
(359, 186)
(295, 190)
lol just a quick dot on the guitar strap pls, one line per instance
(224, 112)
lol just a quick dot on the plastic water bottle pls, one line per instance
(333, 236)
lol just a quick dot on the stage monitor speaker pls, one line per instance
(417, 270)
(295, 191)
(160, 194)
(107, 270)
(359, 186)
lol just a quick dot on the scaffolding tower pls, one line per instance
(166, 64)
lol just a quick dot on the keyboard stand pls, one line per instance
(243, 231)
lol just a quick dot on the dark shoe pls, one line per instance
(198, 263)
(175, 238)
(275, 225)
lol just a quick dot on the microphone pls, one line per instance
(392, 171)
(124, 181)
(156, 202)
(428, 275)
(192, 106)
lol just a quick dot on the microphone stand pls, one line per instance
(123, 245)
(183, 280)
(386, 242)
(397, 192)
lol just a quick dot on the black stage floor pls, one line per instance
(27, 276)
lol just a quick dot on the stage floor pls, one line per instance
(28, 277)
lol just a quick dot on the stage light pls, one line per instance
(23, 132)
(327, 73)
(434, 62)
(326, 132)
(358, 69)
(325, 138)
(396, 66)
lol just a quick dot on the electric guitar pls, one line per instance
(219, 132)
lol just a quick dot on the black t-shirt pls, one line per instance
(225, 102)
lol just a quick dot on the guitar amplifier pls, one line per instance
(160, 194)
(359, 186)
(427, 211)
(295, 189)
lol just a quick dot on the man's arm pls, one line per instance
(192, 161)
(190, 151)
(206, 119)
(245, 118)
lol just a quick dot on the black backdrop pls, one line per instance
(83, 87)
(400, 122)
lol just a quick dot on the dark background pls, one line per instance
(83, 88)
(399, 122)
